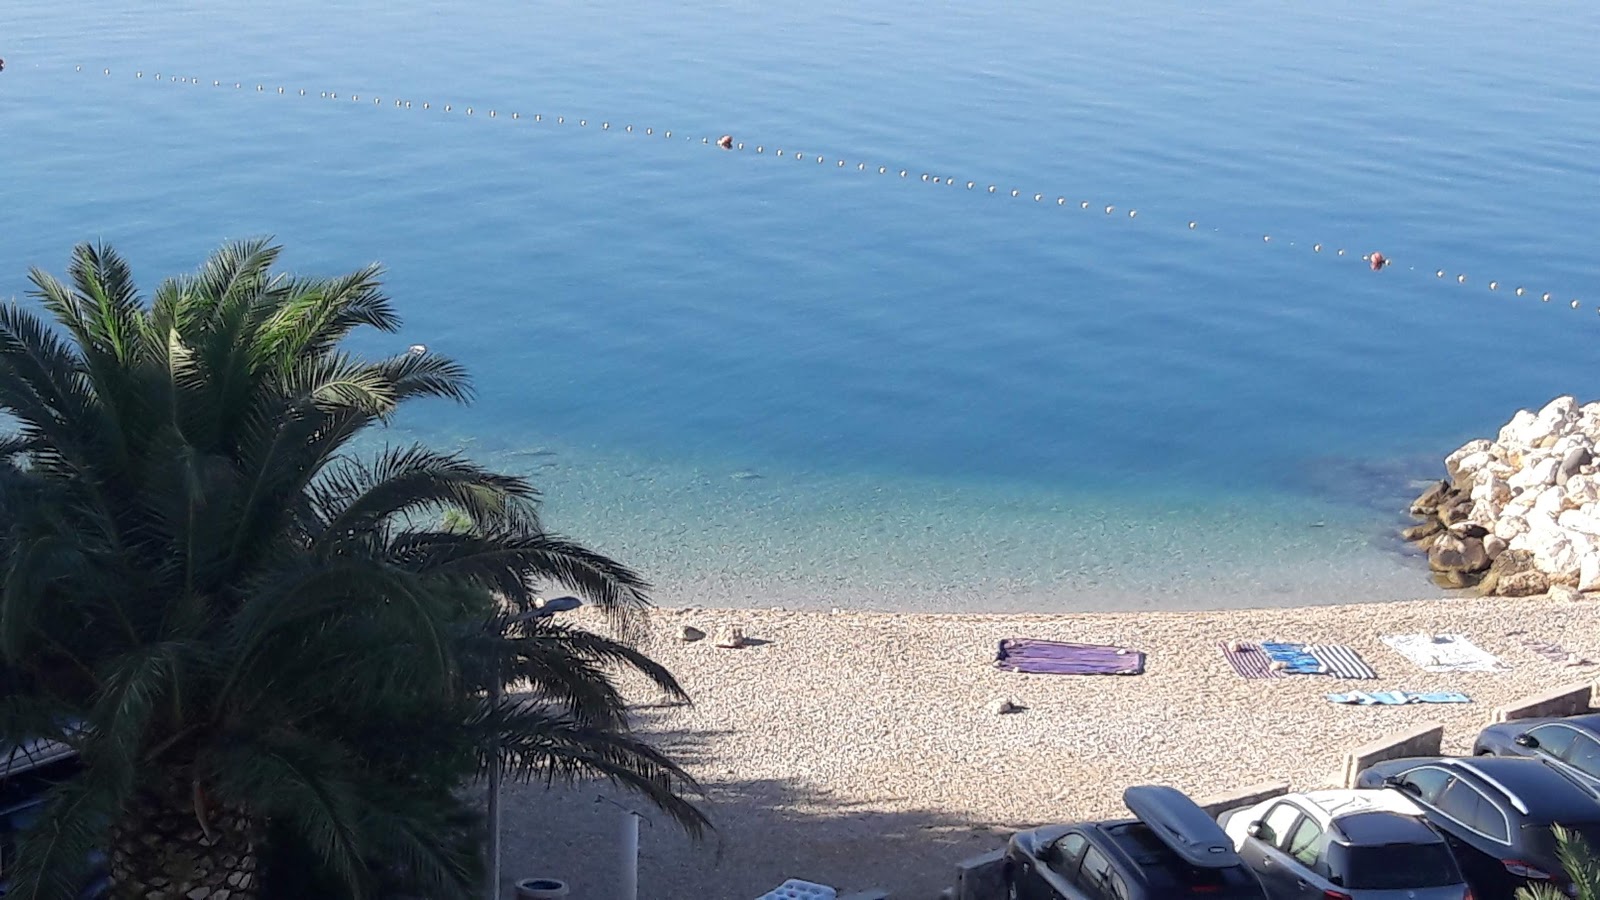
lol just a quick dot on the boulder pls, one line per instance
(1452, 463)
(1555, 420)
(1487, 487)
(1428, 502)
(1537, 472)
(1580, 521)
(1508, 527)
(1581, 490)
(1522, 584)
(1425, 529)
(1469, 465)
(1518, 431)
(1452, 553)
(1459, 509)
(730, 637)
(1549, 501)
(1564, 592)
(1468, 530)
(1589, 572)
(1494, 546)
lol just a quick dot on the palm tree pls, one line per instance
(262, 647)
(1581, 865)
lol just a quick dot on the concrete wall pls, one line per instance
(1422, 740)
(1567, 700)
(1217, 804)
(981, 877)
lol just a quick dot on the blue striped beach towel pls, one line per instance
(1342, 662)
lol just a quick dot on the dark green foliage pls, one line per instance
(196, 571)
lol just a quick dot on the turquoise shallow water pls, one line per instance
(954, 400)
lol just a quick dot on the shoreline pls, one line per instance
(856, 748)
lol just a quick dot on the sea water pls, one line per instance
(763, 380)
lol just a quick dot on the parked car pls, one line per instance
(1572, 743)
(1496, 812)
(1170, 849)
(1345, 845)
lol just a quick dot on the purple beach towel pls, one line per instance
(1063, 658)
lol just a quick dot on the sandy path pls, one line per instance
(855, 749)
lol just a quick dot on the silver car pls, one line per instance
(1345, 845)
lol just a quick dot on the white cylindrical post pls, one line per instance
(630, 857)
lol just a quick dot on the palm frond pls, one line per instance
(53, 855)
(533, 743)
(414, 481)
(309, 783)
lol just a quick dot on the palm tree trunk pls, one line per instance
(160, 852)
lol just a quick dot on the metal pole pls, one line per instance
(630, 856)
(492, 850)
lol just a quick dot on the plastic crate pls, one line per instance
(795, 889)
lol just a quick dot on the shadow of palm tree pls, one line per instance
(768, 830)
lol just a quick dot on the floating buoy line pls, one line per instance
(1375, 260)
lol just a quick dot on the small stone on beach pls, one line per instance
(730, 637)
(1002, 706)
(689, 634)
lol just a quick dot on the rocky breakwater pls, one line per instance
(1520, 514)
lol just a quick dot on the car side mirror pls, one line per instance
(1526, 740)
(1047, 852)
(1254, 830)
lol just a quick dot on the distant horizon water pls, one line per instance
(768, 382)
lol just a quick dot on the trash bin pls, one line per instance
(541, 889)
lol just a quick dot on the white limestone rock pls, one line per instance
(1507, 528)
(1579, 521)
(1514, 433)
(1538, 471)
(1589, 572)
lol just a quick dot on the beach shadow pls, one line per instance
(767, 830)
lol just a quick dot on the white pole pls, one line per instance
(492, 850)
(630, 857)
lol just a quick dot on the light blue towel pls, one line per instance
(1398, 698)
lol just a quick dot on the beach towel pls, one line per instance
(1398, 698)
(1064, 658)
(1249, 661)
(1295, 659)
(1443, 652)
(1341, 661)
(1550, 650)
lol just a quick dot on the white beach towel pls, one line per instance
(1444, 652)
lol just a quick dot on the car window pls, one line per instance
(1069, 849)
(1584, 755)
(1096, 875)
(1467, 805)
(1305, 844)
(1428, 782)
(1275, 827)
(1117, 889)
(1553, 739)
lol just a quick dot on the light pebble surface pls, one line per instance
(857, 749)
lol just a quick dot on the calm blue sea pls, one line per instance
(770, 381)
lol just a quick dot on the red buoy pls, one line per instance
(725, 142)
(1378, 261)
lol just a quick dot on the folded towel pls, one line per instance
(1296, 660)
(1443, 652)
(1249, 660)
(1398, 698)
(1340, 661)
(1064, 658)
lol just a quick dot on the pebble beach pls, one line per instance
(862, 750)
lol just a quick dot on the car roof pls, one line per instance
(1332, 805)
(1589, 722)
(1537, 790)
(16, 759)
(1380, 827)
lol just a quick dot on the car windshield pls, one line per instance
(1543, 841)
(1392, 867)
